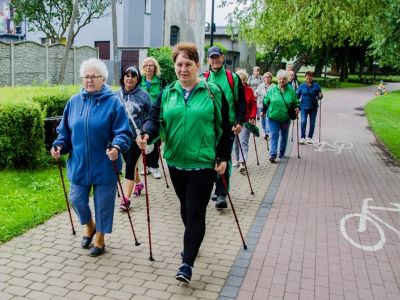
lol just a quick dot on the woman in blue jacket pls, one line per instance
(309, 92)
(93, 118)
(137, 104)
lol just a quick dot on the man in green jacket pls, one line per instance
(231, 86)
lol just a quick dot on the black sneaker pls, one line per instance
(214, 197)
(266, 136)
(184, 274)
(272, 159)
(221, 203)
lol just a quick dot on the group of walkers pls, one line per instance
(198, 119)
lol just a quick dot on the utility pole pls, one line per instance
(212, 24)
(115, 39)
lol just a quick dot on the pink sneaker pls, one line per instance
(125, 203)
(138, 189)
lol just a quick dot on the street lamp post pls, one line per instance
(212, 24)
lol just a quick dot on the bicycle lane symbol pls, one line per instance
(367, 215)
(336, 146)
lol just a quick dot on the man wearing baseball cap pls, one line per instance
(232, 87)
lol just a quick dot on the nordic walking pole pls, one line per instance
(233, 210)
(255, 147)
(245, 165)
(109, 146)
(297, 133)
(162, 164)
(320, 111)
(147, 201)
(65, 192)
(292, 131)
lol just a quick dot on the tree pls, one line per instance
(115, 39)
(312, 24)
(53, 17)
(164, 58)
(69, 42)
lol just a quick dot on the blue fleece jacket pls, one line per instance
(89, 122)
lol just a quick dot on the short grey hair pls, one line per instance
(282, 74)
(96, 64)
(242, 72)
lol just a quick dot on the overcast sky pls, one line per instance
(219, 13)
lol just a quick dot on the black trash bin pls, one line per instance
(50, 133)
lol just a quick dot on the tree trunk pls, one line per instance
(70, 40)
(300, 61)
(343, 67)
(115, 40)
(319, 66)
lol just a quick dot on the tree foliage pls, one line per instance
(318, 24)
(53, 17)
(164, 58)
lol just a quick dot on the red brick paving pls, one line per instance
(301, 253)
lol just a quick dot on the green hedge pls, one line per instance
(52, 105)
(21, 135)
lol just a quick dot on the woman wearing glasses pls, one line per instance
(93, 118)
(153, 84)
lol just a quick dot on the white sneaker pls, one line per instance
(310, 141)
(147, 173)
(302, 141)
(235, 165)
(156, 173)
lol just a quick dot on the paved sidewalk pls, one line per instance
(48, 263)
(296, 249)
(302, 252)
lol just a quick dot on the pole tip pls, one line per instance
(137, 243)
(151, 258)
(73, 232)
(244, 246)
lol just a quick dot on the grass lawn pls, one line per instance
(383, 114)
(27, 199)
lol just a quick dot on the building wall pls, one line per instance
(189, 16)
(27, 62)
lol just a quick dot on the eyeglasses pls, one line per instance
(91, 77)
(148, 66)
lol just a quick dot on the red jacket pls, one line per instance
(251, 104)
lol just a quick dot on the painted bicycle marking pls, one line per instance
(336, 146)
(362, 218)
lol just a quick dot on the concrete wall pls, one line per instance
(25, 63)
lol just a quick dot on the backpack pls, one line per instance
(229, 76)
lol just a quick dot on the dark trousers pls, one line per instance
(153, 156)
(131, 157)
(193, 189)
(219, 186)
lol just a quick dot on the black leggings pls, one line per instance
(131, 157)
(153, 156)
(193, 189)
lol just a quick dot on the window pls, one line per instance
(174, 35)
(104, 49)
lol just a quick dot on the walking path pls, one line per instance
(291, 224)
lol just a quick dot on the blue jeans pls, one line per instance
(313, 115)
(264, 121)
(278, 129)
(244, 137)
(104, 202)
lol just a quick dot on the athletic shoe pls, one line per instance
(310, 140)
(138, 189)
(125, 203)
(155, 172)
(266, 136)
(282, 156)
(235, 165)
(272, 159)
(242, 168)
(184, 274)
(302, 141)
(147, 173)
(221, 203)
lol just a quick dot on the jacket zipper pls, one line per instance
(88, 139)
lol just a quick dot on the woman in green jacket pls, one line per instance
(153, 84)
(277, 101)
(194, 121)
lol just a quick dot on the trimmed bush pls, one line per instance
(52, 105)
(21, 136)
